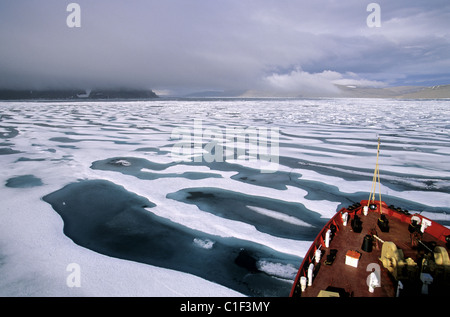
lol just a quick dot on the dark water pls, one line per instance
(106, 218)
(237, 206)
(24, 181)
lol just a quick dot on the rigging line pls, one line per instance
(376, 178)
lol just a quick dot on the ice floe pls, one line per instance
(261, 222)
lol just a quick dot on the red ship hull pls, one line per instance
(345, 238)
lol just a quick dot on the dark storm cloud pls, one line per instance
(223, 44)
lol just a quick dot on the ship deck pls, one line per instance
(351, 281)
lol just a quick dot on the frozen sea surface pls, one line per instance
(97, 184)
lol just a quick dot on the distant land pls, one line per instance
(399, 92)
(75, 94)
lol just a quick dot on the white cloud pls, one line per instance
(352, 79)
(298, 82)
(224, 45)
(302, 83)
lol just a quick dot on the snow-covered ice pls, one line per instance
(265, 221)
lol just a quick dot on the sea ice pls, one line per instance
(327, 151)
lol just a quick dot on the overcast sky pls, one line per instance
(195, 45)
